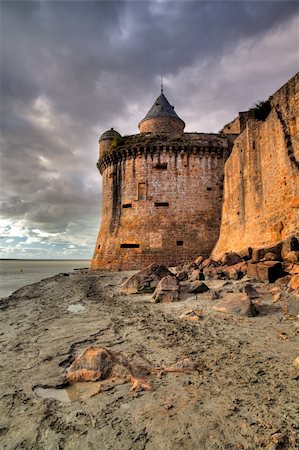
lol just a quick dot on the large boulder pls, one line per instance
(146, 280)
(235, 272)
(268, 253)
(266, 271)
(167, 290)
(197, 287)
(230, 259)
(236, 303)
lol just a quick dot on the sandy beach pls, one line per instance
(241, 391)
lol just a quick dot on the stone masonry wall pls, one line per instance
(261, 189)
(163, 208)
(162, 125)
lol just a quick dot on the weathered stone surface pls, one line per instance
(167, 290)
(192, 315)
(196, 275)
(261, 204)
(292, 256)
(294, 282)
(197, 287)
(289, 245)
(213, 272)
(283, 282)
(293, 304)
(146, 280)
(199, 260)
(265, 271)
(235, 272)
(251, 292)
(236, 303)
(182, 275)
(230, 259)
(245, 253)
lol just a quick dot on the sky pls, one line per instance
(71, 70)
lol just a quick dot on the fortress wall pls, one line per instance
(167, 198)
(261, 190)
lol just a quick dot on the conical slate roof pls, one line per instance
(161, 108)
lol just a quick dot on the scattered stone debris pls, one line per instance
(146, 280)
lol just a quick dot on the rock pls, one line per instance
(260, 254)
(235, 272)
(251, 292)
(196, 275)
(192, 315)
(269, 256)
(197, 287)
(294, 282)
(230, 259)
(208, 263)
(292, 256)
(293, 304)
(283, 282)
(182, 275)
(167, 291)
(146, 280)
(246, 253)
(296, 362)
(289, 245)
(265, 271)
(199, 260)
(213, 272)
(236, 303)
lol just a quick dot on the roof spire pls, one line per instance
(161, 84)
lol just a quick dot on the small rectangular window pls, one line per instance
(99, 246)
(209, 188)
(127, 205)
(160, 166)
(141, 191)
(161, 204)
(129, 245)
(179, 243)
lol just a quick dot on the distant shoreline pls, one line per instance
(37, 259)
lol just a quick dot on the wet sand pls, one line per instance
(242, 395)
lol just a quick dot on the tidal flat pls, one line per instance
(242, 395)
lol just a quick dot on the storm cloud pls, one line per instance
(71, 70)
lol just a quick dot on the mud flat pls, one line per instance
(242, 395)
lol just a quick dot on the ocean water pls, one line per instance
(15, 274)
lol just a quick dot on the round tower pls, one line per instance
(161, 118)
(106, 140)
(161, 195)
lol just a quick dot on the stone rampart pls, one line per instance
(261, 188)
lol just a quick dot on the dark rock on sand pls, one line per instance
(236, 303)
(146, 280)
(168, 290)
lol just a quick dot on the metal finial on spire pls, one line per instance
(161, 84)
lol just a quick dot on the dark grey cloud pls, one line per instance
(71, 70)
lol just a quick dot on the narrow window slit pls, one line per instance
(179, 243)
(160, 166)
(161, 204)
(129, 245)
(127, 205)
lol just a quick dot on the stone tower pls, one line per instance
(162, 192)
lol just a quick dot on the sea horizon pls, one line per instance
(16, 273)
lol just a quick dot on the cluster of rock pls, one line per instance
(278, 264)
